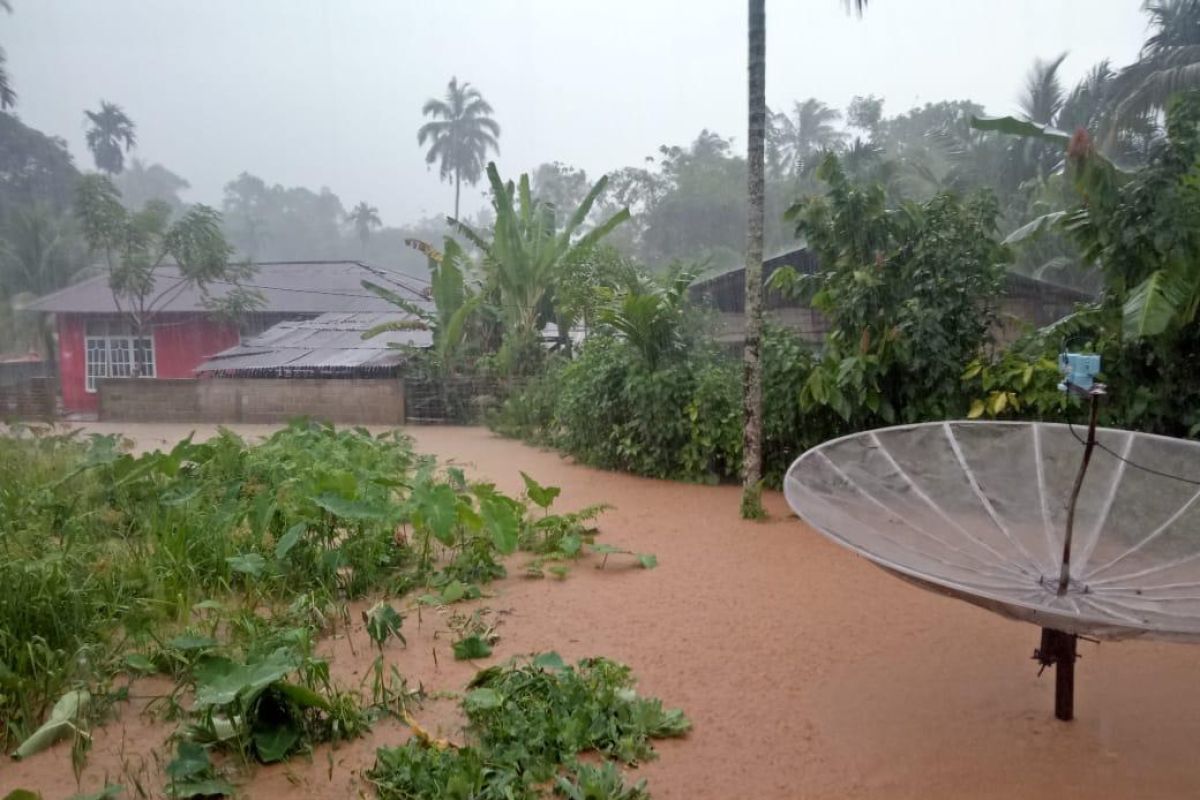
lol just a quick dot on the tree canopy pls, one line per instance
(460, 134)
(110, 129)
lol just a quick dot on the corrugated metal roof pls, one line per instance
(293, 287)
(726, 291)
(332, 341)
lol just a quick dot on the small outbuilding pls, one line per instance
(328, 346)
(1023, 301)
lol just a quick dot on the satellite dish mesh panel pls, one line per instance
(977, 510)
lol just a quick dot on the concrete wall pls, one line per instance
(364, 401)
(34, 398)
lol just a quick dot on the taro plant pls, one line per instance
(251, 708)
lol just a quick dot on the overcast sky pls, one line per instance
(329, 92)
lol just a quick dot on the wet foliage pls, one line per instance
(529, 721)
(220, 564)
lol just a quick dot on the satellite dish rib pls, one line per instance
(981, 511)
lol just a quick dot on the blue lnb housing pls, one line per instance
(1079, 370)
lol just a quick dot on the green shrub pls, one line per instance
(528, 411)
(678, 421)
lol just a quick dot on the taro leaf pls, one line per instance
(542, 496)
(468, 518)
(22, 794)
(549, 661)
(339, 481)
(303, 696)
(606, 550)
(647, 560)
(453, 591)
(560, 571)
(352, 509)
(569, 545)
(69, 708)
(190, 641)
(191, 761)
(501, 519)
(219, 681)
(274, 743)
(437, 508)
(251, 564)
(289, 540)
(383, 621)
(209, 787)
(482, 699)
(264, 511)
(471, 647)
(140, 663)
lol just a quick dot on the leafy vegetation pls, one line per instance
(910, 297)
(219, 564)
(528, 722)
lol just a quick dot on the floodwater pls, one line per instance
(806, 671)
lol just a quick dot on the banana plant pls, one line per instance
(454, 302)
(525, 259)
(1140, 227)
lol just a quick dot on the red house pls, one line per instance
(95, 340)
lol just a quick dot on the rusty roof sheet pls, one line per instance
(331, 341)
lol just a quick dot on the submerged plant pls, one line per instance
(528, 723)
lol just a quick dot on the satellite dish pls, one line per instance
(979, 511)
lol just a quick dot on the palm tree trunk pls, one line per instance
(752, 401)
(457, 178)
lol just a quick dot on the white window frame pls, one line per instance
(109, 352)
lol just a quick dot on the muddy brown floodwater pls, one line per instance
(806, 671)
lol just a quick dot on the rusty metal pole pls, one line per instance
(1058, 650)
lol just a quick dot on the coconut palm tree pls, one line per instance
(1169, 62)
(364, 217)
(8, 98)
(1040, 102)
(752, 411)
(460, 135)
(752, 389)
(808, 131)
(110, 128)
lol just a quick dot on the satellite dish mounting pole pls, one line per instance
(1064, 575)
(1059, 647)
